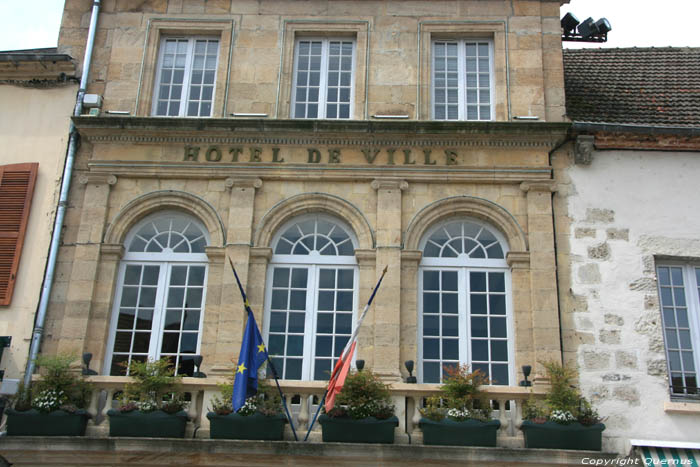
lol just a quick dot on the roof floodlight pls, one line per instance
(587, 28)
(569, 23)
(603, 26)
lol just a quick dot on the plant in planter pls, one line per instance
(54, 405)
(152, 405)
(565, 419)
(363, 412)
(261, 417)
(460, 415)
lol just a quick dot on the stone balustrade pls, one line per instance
(303, 398)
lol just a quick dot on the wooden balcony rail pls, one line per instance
(303, 398)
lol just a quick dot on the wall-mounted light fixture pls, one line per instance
(587, 30)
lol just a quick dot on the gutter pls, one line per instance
(62, 202)
(578, 127)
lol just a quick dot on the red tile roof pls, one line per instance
(640, 86)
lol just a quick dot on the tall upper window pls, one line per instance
(679, 287)
(186, 77)
(464, 303)
(323, 78)
(159, 303)
(310, 296)
(462, 80)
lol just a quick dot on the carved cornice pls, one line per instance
(98, 179)
(518, 259)
(366, 257)
(243, 182)
(215, 253)
(260, 254)
(543, 185)
(157, 130)
(112, 251)
(411, 256)
(583, 149)
(389, 184)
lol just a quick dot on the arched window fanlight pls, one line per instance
(463, 238)
(177, 234)
(316, 234)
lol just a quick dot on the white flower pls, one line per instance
(562, 416)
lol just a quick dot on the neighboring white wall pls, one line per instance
(33, 128)
(626, 207)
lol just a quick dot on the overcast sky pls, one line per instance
(32, 24)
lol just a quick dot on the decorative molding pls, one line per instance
(518, 259)
(112, 251)
(98, 179)
(543, 185)
(243, 182)
(215, 253)
(583, 149)
(389, 184)
(260, 254)
(411, 256)
(365, 256)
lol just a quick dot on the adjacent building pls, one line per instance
(37, 91)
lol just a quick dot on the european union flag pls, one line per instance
(253, 354)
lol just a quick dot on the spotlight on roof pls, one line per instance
(569, 23)
(587, 30)
(603, 26)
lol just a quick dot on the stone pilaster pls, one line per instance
(226, 306)
(410, 259)
(387, 317)
(84, 271)
(367, 260)
(543, 288)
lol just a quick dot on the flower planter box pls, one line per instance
(366, 430)
(256, 426)
(157, 424)
(56, 423)
(552, 435)
(452, 433)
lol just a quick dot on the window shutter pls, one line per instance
(16, 188)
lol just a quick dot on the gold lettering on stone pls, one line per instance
(276, 155)
(370, 154)
(255, 154)
(235, 152)
(450, 157)
(213, 154)
(314, 156)
(334, 156)
(191, 153)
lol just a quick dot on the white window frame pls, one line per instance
(313, 263)
(323, 84)
(186, 84)
(461, 78)
(463, 267)
(164, 261)
(692, 299)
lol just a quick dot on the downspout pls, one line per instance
(62, 202)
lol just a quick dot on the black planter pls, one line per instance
(157, 424)
(256, 426)
(551, 435)
(467, 433)
(366, 430)
(56, 423)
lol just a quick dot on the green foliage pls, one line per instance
(60, 386)
(563, 403)
(154, 386)
(267, 401)
(364, 395)
(461, 397)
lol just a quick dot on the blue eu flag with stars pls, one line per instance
(253, 354)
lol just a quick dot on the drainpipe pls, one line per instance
(62, 202)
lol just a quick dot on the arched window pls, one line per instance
(311, 296)
(464, 302)
(159, 302)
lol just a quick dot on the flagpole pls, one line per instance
(269, 362)
(345, 350)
